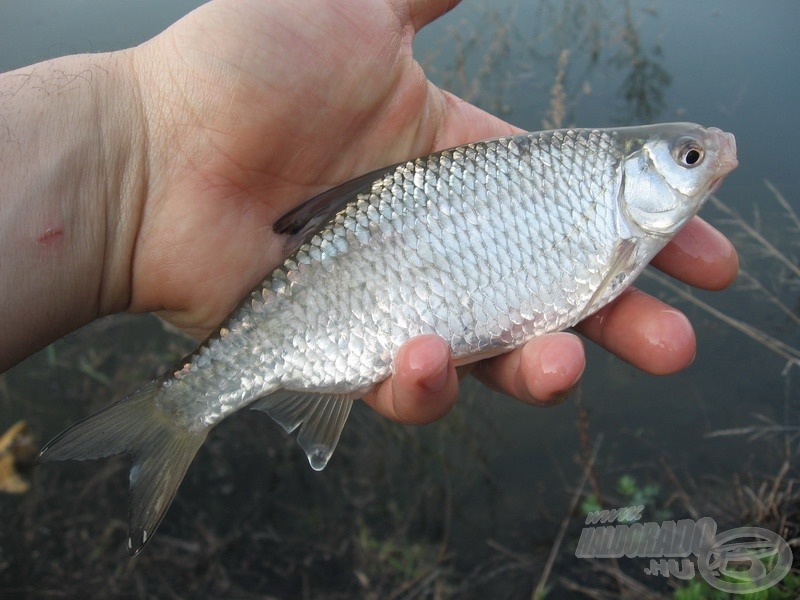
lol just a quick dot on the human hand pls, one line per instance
(252, 107)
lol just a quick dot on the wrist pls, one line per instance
(72, 184)
(122, 185)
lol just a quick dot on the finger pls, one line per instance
(422, 12)
(458, 121)
(540, 372)
(423, 386)
(700, 256)
(643, 331)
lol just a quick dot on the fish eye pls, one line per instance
(688, 152)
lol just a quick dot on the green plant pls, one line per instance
(700, 590)
(632, 494)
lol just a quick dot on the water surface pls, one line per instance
(469, 505)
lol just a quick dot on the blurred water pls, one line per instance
(493, 478)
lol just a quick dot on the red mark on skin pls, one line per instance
(51, 236)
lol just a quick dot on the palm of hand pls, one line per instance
(274, 109)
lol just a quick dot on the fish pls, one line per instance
(487, 245)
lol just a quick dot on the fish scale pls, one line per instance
(452, 237)
(486, 245)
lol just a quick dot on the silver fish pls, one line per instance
(486, 245)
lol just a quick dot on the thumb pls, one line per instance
(422, 12)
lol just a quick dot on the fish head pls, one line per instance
(669, 172)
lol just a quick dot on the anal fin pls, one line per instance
(321, 418)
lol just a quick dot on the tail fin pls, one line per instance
(161, 454)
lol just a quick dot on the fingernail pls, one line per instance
(557, 365)
(552, 364)
(419, 361)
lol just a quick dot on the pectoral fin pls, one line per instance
(623, 254)
(321, 418)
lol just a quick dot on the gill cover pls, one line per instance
(649, 199)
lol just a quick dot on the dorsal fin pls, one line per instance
(305, 220)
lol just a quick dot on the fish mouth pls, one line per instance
(728, 163)
(726, 155)
(716, 183)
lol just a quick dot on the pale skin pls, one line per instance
(148, 180)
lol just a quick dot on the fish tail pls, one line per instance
(161, 453)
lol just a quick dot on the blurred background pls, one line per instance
(470, 506)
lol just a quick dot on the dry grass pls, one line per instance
(768, 501)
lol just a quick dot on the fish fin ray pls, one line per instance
(321, 418)
(622, 257)
(304, 221)
(161, 453)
